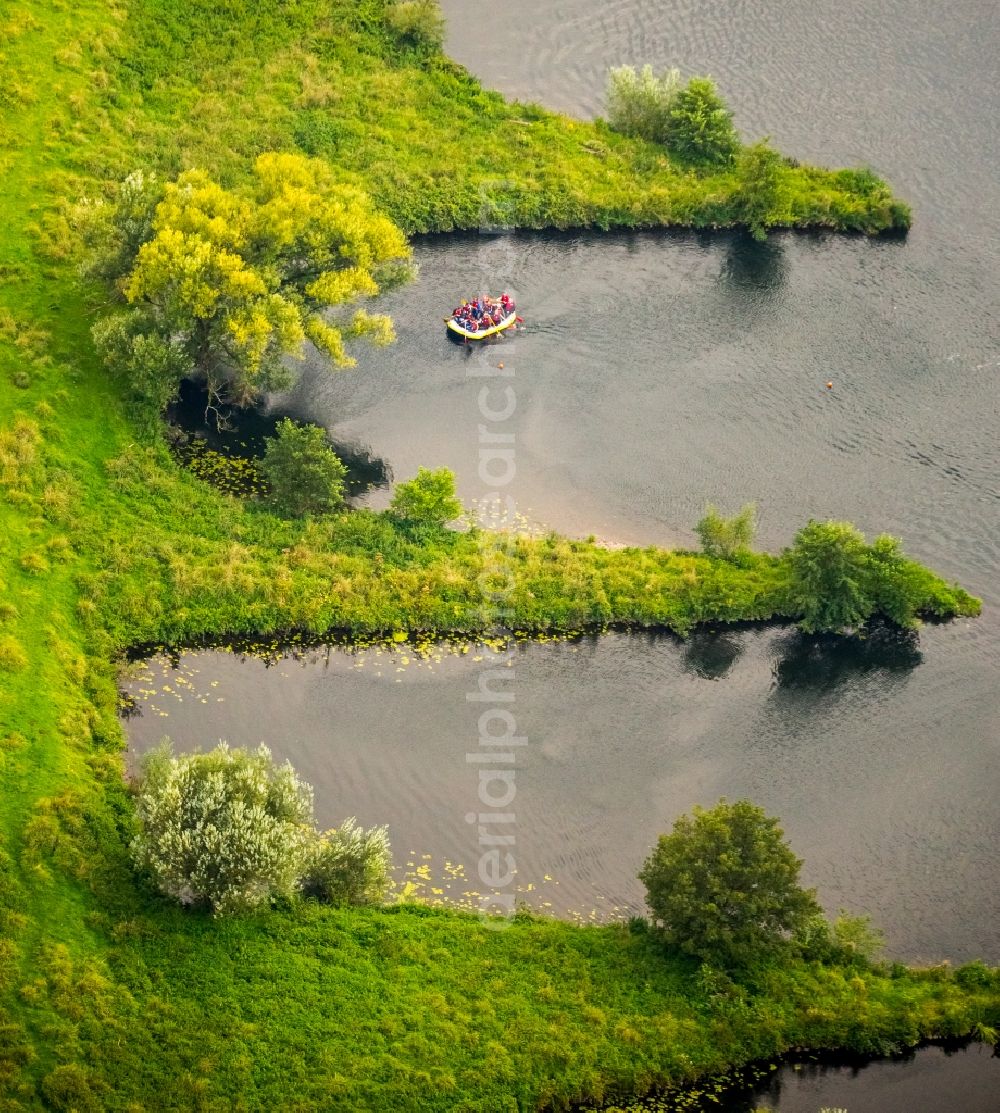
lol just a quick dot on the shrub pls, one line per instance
(701, 126)
(977, 975)
(857, 937)
(759, 195)
(303, 472)
(727, 537)
(724, 885)
(850, 940)
(151, 365)
(639, 103)
(12, 656)
(70, 1087)
(895, 582)
(417, 24)
(428, 499)
(830, 577)
(349, 865)
(227, 830)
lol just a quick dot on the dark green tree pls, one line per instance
(428, 499)
(831, 584)
(759, 195)
(303, 472)
(724, 885)
(701, 126)
(898, 585)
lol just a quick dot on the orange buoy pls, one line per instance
(500, 365)
(829, 386)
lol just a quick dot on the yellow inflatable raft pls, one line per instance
(484, 333)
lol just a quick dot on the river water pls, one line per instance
(656, 372)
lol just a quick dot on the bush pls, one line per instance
(70, 1087)
(977, 975)
(724, 885)
(759, 195)
(227, 830)
(151, 365)
(303, 472)
(417, 24)
(428, 499)
(701, 126)
(349, 865)
(895, 582)
(849, 940)
(639, 103)
(12, 656)
(727, 537)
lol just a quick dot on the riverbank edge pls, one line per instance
(752, 1075)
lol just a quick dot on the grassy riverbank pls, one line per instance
(109, 998)
(204, 83)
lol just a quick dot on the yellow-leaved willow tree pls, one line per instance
(221, 285)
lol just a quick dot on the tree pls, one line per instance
(428, 499)
(222, 284)
(759, 195)
(724, 885)
(227, 830)
(701, 126)
(639, 103)
(303, 472)
(349, 865)
(831, 577)
(727, 537)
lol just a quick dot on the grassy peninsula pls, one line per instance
(110, 999)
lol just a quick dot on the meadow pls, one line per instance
(109, 998)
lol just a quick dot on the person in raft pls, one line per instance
(483, 312)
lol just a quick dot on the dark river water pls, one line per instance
(931, 1081)
(656, 372)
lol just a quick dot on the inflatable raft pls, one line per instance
(463, 333)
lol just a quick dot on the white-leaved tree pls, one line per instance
(229, 830)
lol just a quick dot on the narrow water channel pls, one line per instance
(625, 732)
(931, 1081)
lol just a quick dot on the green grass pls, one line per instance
(109, 999)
